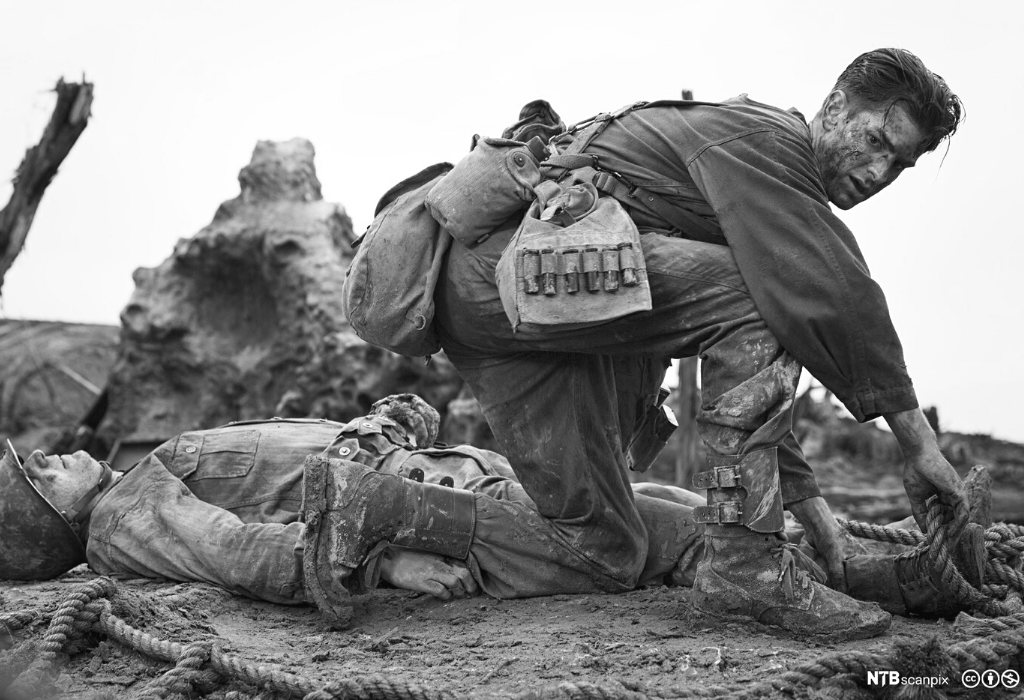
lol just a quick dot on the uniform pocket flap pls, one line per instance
(226, 454)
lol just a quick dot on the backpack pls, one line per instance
(388, 292)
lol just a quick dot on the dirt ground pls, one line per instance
(648, 640)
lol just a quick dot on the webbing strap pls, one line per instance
(572, 161)
(602, 120)
(692, 225)
(729, 512)
(586, 168)
(718, 478)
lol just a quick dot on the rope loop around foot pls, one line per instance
(1004, 548)
(944, 529)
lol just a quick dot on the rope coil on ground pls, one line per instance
(37, 676)
(186, 674)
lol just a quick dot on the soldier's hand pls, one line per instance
(418, 418)
(929, 474)
(926, 472)
(823, 532)
(441, 577)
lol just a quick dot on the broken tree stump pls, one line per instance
(38, 167)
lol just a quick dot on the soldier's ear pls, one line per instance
(836, 105)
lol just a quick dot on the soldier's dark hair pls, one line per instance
(887, 77)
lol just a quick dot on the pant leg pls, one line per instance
(701, 307)
(517, 553)
(555, 415)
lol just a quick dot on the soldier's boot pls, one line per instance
(749, 571)
(352, 512)
(909, 584)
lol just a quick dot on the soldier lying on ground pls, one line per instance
(226, 506)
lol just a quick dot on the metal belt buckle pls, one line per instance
(727, 477)
(727, 512)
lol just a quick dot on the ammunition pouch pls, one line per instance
(742, 490)
(648, 441)
(575, 261)
(487, 187)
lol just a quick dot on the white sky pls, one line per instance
(184, 90)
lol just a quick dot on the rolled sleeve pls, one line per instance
(804, 269)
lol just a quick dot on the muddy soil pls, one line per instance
(649, 641)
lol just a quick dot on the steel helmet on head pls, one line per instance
(36, 542)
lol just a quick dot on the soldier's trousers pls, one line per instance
(560, 403)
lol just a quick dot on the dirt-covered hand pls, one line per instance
(418, 418)
(926, 472)
(929, 474)
(823, 532)
(441, 577)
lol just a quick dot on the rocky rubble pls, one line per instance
(244, 320)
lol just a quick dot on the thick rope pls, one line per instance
(999, 624)
(880, 533)
(32, 681)
(186, 675)
(943, 531)
(12, 622)
(201, 666)
(1003, 543)
(1005, 642)
(271, 677)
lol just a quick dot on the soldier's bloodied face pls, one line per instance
(62, 479)
(863, 150)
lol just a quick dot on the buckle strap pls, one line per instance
(718, 478)
(757, 473)
(727, 512)
(631, 194)
(572, 161)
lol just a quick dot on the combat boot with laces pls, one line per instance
(749, 572)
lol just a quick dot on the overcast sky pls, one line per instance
(184, 90)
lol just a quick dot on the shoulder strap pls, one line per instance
(410, 183)
(691, 225)
(586, 167)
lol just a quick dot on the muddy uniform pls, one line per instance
(223, 506)
(788, 275)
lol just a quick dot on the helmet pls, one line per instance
(36, 542)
